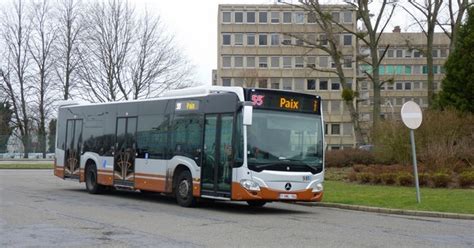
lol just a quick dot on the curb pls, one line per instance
(389, 210)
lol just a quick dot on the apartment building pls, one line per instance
(405, 65)
(263, 46)
(258, 47)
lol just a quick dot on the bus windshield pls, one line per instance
(280, 140)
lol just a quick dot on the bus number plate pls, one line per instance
(288, 196)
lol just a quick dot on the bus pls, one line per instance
(215, 142)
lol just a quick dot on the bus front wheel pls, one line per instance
(184, 190)
(91, 180)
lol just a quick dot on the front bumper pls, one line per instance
(239, 193)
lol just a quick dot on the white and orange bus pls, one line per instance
(222, 143)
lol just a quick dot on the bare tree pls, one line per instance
(70, 28)
(451, 24)
(157, 65)
(128, 57)
(40, 45)
(430, 10)
(374, 16)
(14, 74)
(330, 44)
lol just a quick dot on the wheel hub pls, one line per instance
(183, 189)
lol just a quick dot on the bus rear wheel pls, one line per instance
(91, 180)
(184, 190)
(256, 203)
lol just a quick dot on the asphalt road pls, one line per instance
(40, 210)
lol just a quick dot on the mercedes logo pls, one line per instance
(288, 186)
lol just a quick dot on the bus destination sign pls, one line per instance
(281, 100)
(189, 105)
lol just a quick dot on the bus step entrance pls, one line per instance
(71, 177)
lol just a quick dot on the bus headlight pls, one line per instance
(250, 185)
(318, 187)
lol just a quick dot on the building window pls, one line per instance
(399, 86)
(250, 17)
(226, 82)
(299, 84)
(250, 39)
(287, 84)
(347, 40)
(226, 61)
(238, 17)
(299, 17)
(335, 17)
(435, 53)
(416, 85)
(323, 84)
(407, 69)
(299, 62)
(336, 107)
(323, 40)
(238, 61)
(286, 40)
(287, 62)
(226, 17)
(286, 17)
(335, 86)
(275, 62)
(311, 84)
(311, 39)
(390, 53)
(263, 62)
(326, 129)
(263, 83)
(299, 41)
(251, 62)
(408, 53)
(425, 69)
(275, 17)
(443, 52)
(407, 86)
(311, 17)
(226, 39)
(347, 17)
(399, 53)
(417, 54)
(238, 39)
(262, 39)
(335, 130)
(262, 17)
(347, 129)
(275, 83)
(323, 61)
(348, 62)
(275, 39)
(311, 63)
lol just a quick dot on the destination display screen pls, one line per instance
(281, 100)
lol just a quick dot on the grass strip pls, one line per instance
(440, 200)
(26, 166)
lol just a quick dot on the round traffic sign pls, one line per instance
(411, 115)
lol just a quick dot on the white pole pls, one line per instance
(415, 168)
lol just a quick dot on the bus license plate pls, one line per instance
(288, 196)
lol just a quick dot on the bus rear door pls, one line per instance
(125, 149)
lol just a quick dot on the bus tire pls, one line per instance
(256, 203)
(184, 190)
(92, 186)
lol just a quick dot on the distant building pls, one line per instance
(254, 51)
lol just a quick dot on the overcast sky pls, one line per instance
(194, 24)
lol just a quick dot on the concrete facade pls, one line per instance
(258, 46)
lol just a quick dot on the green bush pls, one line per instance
(389, 178)
(466, 179)
(364, 177)
(348, 157)
(441, 179)
(424, 179)
(405, 179)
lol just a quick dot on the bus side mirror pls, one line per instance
(247, 113)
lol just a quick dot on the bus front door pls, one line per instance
(125, 149)
(216, 170)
